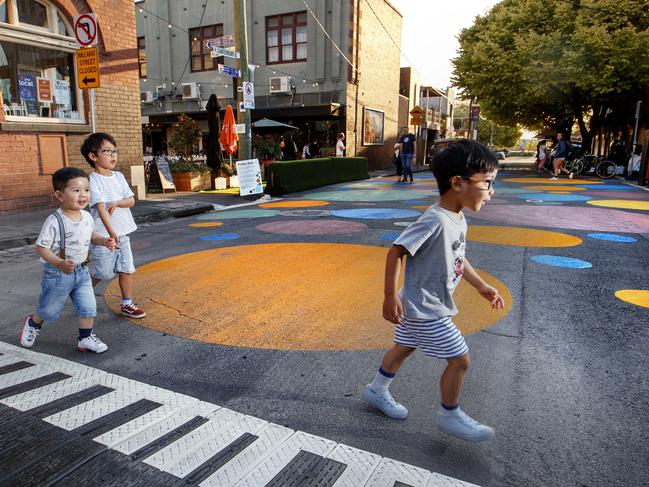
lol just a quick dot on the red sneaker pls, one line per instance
(132, 311)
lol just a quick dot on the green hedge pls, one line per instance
(286, 177)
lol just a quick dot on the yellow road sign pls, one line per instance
(88, 68)
(416, 111)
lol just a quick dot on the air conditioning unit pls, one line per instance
(280, 84)
(189, 91)
(146, 96)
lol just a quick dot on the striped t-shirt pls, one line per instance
(106, 189)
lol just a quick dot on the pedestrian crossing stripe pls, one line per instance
(68, 423)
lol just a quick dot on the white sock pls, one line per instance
(126, 301)
(381, 382)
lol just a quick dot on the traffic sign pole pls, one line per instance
(241, 41)
(92, 109)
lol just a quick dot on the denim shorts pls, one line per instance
(56, 286)
(105, 263)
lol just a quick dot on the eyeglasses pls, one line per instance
(109, 152)
(490, 182)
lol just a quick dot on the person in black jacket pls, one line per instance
(560, 153)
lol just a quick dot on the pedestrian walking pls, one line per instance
(560, 153)
(63, 246)
(111, 200)
(340, 145)
(396, 159)
(541, 155)
(407, 151)
(434, 247)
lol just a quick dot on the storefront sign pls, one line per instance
(164, 171)
(44, 90)
(249, 177)
(26, 87)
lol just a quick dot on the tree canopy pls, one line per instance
(495, 135)
(549, 63)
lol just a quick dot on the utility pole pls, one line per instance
(241, 45)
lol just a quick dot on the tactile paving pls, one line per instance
(389, 471)
(360, 465)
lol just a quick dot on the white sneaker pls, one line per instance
(554, 178)
(571, 175)
(92, 344)
(458, 423)
(28, 335)
(385, 403)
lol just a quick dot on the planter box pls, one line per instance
(192, 181)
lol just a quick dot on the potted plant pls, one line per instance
(190, 173)
(229, 171)
(265, 149)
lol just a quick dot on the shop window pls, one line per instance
(141, 53)
(286, 39)
(37, 70)
(201, 58)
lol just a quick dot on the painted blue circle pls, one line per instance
(606, 187)
(375, 213)
(558, 261)
(501, 190)
(221, 236)
(554, 197)
(611, 237)
(390, 236)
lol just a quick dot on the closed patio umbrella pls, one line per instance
(214, 157)
(229, 135)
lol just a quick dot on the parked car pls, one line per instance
(500, 155)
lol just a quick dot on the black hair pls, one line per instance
(461, 157)
(61, 177)
(93, 143)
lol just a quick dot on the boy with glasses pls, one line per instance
(434, 247)
(110, 201)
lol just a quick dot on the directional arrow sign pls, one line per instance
(88, 68)
(220, 51)
(228, 71)
(225, 41)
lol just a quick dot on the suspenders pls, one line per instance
(59, 218)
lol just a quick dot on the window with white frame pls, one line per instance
(37, 69)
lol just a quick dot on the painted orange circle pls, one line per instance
(285, 296)
(520, 237)
(550, 181)
(205, 224)
(294, 204)
(555, 187)
(639, 297)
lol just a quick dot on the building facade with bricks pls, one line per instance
(329, 68)
(44, 117)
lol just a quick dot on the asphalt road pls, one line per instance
(561, 376)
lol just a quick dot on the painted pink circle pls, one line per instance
(312, 227)
(568, 217)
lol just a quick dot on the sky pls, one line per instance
(429, 32)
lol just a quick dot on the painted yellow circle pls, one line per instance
(555, 188)
(548, 181)
(294, 204)
(520, 237)
(625, 204)
(205, 224)
(286, 296)
(639, 297)
(420, 207)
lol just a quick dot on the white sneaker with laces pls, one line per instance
(458, 423)
(554, 178)
(384, 402)
(91, 344)
(28, 335)
(571, 175)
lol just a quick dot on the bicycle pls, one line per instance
(591, 164)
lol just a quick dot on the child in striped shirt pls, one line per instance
(434, 247)
(110, 201)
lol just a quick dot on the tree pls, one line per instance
(185, 139)
(497, 135)
(549, 63)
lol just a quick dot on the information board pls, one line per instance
(166, 179)
(249, 175)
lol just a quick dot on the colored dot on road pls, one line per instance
(544, 181)
(391, 237)
(272, 296)
(555, 187)
(625, 204)
(553, 197)
(305, 213)
(369, 195)
(558, 261)
(403, 224)
(205, 224)
(294, 204)
(611, 237)
(375, 213)
(312, 227)
(420, 207)
(233, 214)
(639, 297)
(606, 187)
(520, 237)
(221, 236)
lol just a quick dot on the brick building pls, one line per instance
(300, 77)
(44, 117)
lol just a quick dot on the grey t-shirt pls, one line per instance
(436, 245)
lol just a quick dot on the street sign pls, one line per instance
(225, 41)
(229, 71)
(221, 51)
(85, 30)
(240, 128)
(416, 111)
(88, 68)
(475, 112)
(248, 94)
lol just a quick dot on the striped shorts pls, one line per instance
(438, 338)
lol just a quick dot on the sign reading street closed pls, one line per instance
(88, 68)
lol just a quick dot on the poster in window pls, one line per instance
(26, 87)
(372, 126)
(44, 90)
(62, 92)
